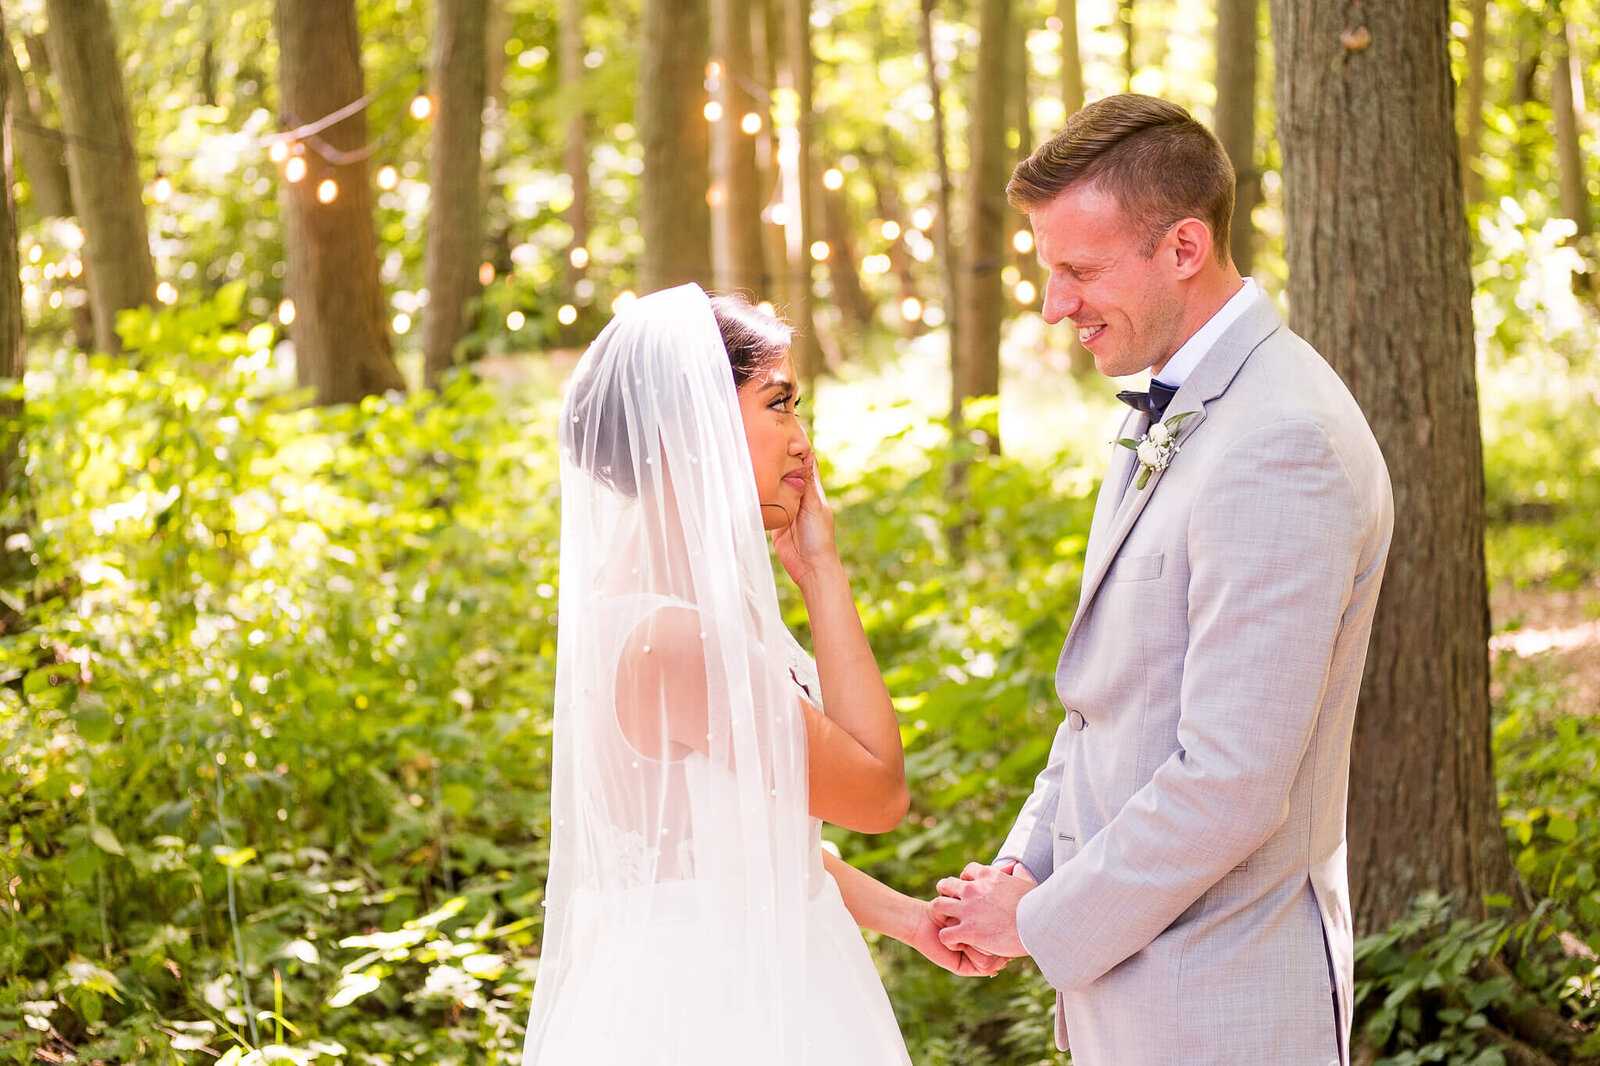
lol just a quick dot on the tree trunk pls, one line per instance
(977, 364)
(943, 238)
(844, 276)
(891, 207)
(13, 563)
(43, 158)
(455, 220)
(673, 214)
(576, 156)
(1236, 118)
(1472, 101)
(101, 163)
(768, 39)
(800, 193)
(1364, 112)
(1130, 65)
(340, 332)
(1565, 92)
(1071, 57)
(737, 254)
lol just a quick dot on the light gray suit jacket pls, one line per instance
(1189, 829)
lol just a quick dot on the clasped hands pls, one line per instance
(976, 919)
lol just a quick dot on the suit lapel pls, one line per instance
(1209, 381)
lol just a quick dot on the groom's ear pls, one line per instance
(1191, 240)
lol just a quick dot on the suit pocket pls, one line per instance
(1136, 568)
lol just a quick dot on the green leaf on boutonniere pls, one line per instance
(1143, 478)
(1129, 442)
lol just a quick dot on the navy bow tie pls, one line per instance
(1153, 403)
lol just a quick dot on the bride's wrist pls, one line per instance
(822, 578)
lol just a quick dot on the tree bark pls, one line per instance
(801, 192)
(1472, 101)
(576, 156)
(341, 335)
(13, 563)
(42, 157)
(843, 272)
(1236, 118)
(1130, 65)
(1071, 57)
(101, 164)
(1366, 125)
(977, 365)
(1565, 91)
(943, 237)
(737, 256)
(673, 214)
(455, 218)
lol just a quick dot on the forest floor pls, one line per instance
(1558, 628)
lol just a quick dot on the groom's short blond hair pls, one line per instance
(1151, 154)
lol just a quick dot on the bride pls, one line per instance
(693, 916)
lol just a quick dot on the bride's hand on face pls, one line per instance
(806, 545)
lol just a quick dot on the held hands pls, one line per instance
(967, 962)
(978, 910)
(806, 546)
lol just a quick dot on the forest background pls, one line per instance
(288, 289)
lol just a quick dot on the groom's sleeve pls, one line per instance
(1031, 840)
(1275, 540)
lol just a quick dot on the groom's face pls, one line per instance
(1127, 307)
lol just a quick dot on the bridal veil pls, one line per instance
(674, 929)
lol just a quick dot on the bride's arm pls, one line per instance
(876, 906)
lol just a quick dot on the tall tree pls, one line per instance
(101, 162)
(674, 217)
(737, 256)
(1071, 58)
(844, 278)
(1130, 63)
(12, 352)
(1423, 809)
(340, 332)
(943, 235)
(39, 149)
(1236, 118)
(1566, 92)
(801, 188)
(455, 217)
(576, 156)
(1475, 78)
(977, 362)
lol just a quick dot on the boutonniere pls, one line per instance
(1156, 448)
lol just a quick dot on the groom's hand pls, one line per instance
(979, 909)
(962, 963)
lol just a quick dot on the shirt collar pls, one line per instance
(1187, 357)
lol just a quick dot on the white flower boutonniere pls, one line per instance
(1156, 448)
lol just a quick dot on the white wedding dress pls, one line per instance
(688, 918)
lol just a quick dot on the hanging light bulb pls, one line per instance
(388, 177)
(819, 250)
(279, 151)
(402, 323)
(911, 309)
(579, 257)
(485, 273)
(1026, 292)
(567, 315)
(890, 229)
(421, 106)
(328, 191)
(515, 321)
(295, 170)
(286, 312)
(713, 111)
(162, 190)
(1022, 241)
(833, 178)
(166, 293)
(751, 122)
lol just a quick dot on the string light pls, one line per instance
(166, 293)
(751, 123)
(162, 190)
(579, 257)
(713, 112)
(328, 191)
(780, 214)
(402, 323)
(716, 195)
(890, 229)
(875, 264)
(35, 253)
(515, 321)
(922, 217)
(388, 178)
(279, 151)
(624, 298)
(286, 312)
(833, 178)
(567, 315)
(819, 250)
(911, 309)
(1022, 241)
(713, 69)
(486, 273)
(75, 269)
(1026, 292)
(1010, 275)
(421, 106)
(295, 170)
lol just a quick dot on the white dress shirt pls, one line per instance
(1187, 357)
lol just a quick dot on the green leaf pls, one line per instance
(105, 839)
(232, 857)
(1562, 829)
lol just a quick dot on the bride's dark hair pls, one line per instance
(756, 340)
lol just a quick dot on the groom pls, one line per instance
(1178, 873)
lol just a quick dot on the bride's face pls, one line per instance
(779, 448)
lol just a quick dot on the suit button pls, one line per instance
(1075, 720)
